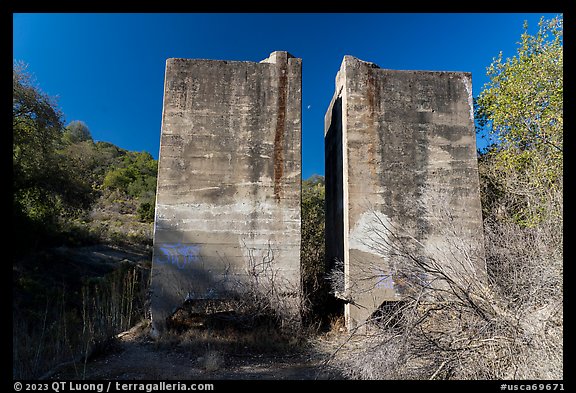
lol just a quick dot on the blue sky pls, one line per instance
(108, 69)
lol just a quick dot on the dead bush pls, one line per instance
(455, 325)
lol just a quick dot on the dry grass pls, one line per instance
(232, 339)
(75, 325)
(453, 325)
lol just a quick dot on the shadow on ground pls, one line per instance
(135, 356)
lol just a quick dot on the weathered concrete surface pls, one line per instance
(400, 160)
(229, 180)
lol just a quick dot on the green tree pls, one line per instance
(313, 198)
(48, 187)
(86, 163)
(75, 132)
(313, 262)
(522, 109)
(38, 175)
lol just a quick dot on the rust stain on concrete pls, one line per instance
(372, 96)
(279, 136)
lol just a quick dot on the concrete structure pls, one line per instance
(400, 161)
(229, 180)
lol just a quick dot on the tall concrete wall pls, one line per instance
(400, 161)
(229, 179)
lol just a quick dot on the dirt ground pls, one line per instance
(135, 356)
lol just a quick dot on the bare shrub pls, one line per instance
(336, 279)
(452, 323)
(526, 269)
(259, 309)
(264, 293)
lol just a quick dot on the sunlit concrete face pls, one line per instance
(229, 180)
(400, 161)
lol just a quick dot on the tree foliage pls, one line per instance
(522, 109)
(313, 263)
(313, 198)
(39, 168)
(75, 132)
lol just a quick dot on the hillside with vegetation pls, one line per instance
(82, 221)
(65, 183)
